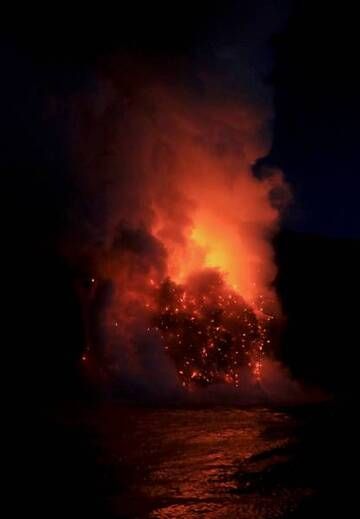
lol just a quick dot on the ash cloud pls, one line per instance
(157, 153)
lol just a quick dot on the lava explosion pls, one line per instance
(173, 229)
(209, 330)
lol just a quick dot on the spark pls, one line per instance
(203, 338)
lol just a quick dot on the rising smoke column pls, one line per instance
(172, 230)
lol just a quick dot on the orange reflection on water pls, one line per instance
(200, 463)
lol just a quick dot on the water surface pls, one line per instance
(211, 463)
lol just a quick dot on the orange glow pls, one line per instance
(185, 240)
(216, 247)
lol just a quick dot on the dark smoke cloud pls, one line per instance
(148, 252)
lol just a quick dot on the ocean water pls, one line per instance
(251, 463)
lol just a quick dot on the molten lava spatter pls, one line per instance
(209, 331)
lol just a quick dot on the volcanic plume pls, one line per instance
(171, 228)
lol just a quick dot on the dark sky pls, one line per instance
(317, 113)
(306, 53)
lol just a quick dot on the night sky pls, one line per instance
(307, 53)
